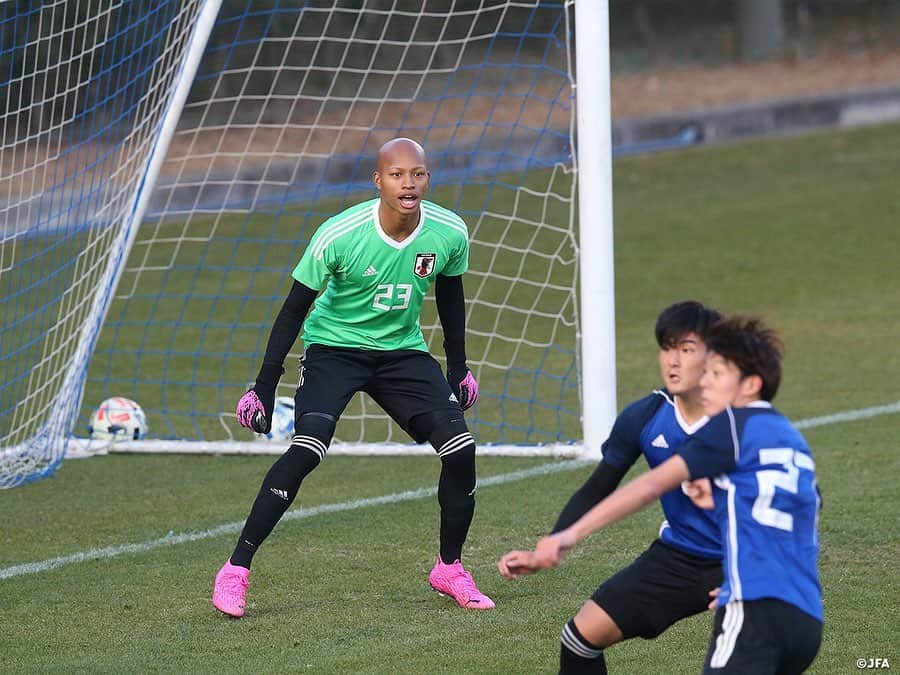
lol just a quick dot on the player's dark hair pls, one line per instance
(753, 347)
(677, 320)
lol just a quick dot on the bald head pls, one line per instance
(402, 180)
(400, 151)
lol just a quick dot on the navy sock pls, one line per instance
(577, 655)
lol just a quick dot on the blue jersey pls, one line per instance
(653, 427)
(767, 504)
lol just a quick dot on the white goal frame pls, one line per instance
(596, 348)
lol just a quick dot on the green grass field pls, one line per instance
(802, 230)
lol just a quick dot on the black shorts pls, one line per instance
(405, 383)
(662, 586)
(762, 637)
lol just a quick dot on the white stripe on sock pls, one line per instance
(310, 443)
(571, 641)
(456, 443)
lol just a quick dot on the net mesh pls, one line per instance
(291, 102)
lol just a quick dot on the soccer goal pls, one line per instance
(164, 164)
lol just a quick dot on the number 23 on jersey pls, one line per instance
(392, 296)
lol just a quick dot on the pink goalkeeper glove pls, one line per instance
(251, 413)
(467, 391)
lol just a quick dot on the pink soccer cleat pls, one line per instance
(455, 581)
(229, 590)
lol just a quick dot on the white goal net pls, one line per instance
(162, 173)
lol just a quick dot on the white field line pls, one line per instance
(235, 527)
(172, 539)
(848, 416)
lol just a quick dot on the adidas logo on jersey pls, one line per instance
(280, 493)
(659, 442)
(370, 271)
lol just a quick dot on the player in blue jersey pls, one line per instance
(672, 579)
(373, 264)
(769, 614)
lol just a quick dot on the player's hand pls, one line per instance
(254, 410)
(714, 595)
(464, 387)
(548, 553)
(516, 563)
(700, 492)
(551, 550)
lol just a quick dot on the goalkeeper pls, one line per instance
(375, 261)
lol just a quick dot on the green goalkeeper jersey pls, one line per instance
(376, 285)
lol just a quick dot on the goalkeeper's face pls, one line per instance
(402, 175)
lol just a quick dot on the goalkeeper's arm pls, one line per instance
(285, 331)
(282, 337)
(451, 305)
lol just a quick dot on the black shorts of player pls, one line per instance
(762, 637)
(405, 383)
(662, 586)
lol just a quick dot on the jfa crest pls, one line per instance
(424, 264)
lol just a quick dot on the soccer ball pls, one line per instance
(282, 420)
(118, 419)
